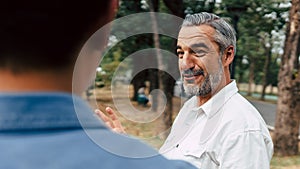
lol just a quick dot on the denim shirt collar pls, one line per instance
(31, 111)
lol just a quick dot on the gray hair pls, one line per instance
(225, 34)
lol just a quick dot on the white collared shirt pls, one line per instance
(226, 132)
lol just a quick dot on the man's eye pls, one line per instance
(199, 53)
(179, 53)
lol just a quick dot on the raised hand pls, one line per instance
(111, 120)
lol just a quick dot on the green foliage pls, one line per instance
(192, 6)
(127, 7)
(114, 57)
(254, 19)
(111, 63)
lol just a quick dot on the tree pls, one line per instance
(249, 27)
(133, 44)
(274, 21)
(177, 8)
(288, 105)
(256, 22)
(235, 9)
(139, 42)
(162, 80)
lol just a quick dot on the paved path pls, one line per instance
(267, 110)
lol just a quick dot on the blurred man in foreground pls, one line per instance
(39, 128)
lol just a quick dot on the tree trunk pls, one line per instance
(153, 78)
(154, 5)
(175, 6)
(288, 106)
(167, 114)
(265, 80)
(251, 78)
(271, 89)
(139, 64)
(140, 78)
(240, 76)
(166, 83)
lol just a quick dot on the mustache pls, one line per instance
(190, 72)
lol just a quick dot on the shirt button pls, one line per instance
(177, 145)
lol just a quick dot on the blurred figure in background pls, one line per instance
(142, 98)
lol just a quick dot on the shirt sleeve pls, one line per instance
(247, 150)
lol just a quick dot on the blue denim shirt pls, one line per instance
(42, 130)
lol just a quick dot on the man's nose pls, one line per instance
(187, 62)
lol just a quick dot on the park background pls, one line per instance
(266, 68)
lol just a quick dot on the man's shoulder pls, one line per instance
(239, 104)
(129, 152)
(76, 149)
(241, 114)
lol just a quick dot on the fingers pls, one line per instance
(111, 114)
(105, 118)
(115, 120)
(111, 120)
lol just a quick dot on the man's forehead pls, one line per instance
(190, 35)
(187, 32)
(196, 37)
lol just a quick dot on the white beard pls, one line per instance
(208, 86)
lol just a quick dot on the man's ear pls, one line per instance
(228, 55)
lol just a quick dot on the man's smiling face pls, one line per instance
(200, 61)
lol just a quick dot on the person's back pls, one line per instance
(42, 124)
(48, 135)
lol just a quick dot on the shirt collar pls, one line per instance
(25, 111)
(213, 105)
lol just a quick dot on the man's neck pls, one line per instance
(35, 81)
(204, 99)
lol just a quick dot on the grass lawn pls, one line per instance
(292, 162)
